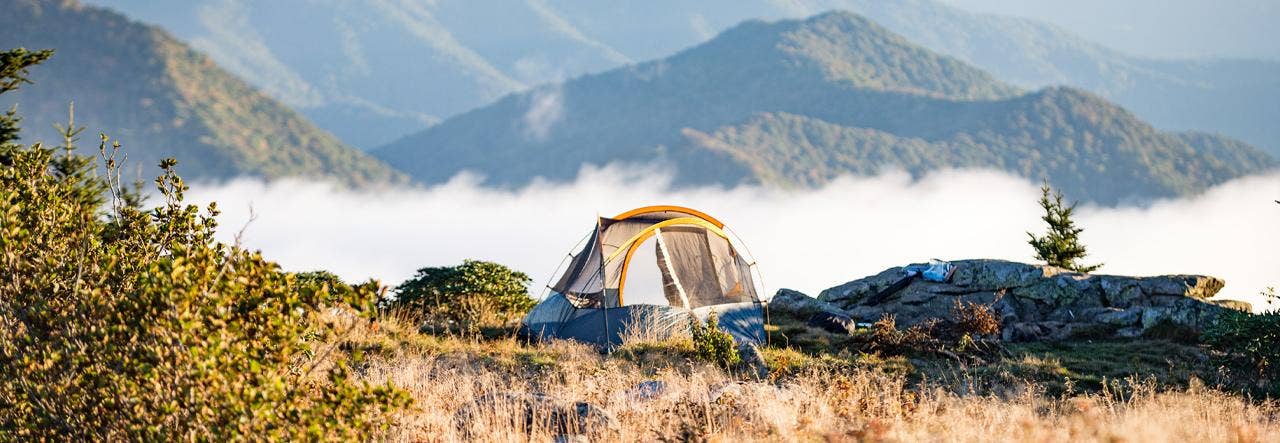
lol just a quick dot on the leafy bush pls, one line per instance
(1251, 340)
(320, 278)
(339, 292)
(713, 345)
(119, 322)
(466, 297)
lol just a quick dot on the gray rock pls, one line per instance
(1120, 291)
(994, 275)
(1234, 304)
(647, 390)
(1037, 302)
(1038, 331)
(1197, 286)
(856, 291)
(799, 304)
(1120, 317)
(1153, 316)
(1188, 312)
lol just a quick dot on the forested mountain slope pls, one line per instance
(750, 105)
(163, 99)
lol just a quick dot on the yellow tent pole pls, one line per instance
(634, 242)
(648, 232)
(669, 208)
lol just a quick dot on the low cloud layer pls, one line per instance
(806, 240)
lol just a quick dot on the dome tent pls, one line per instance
(653, 268)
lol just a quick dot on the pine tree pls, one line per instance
(1060, 246)
(13, 73)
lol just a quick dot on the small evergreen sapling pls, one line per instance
(1060, 246)
(712, 344)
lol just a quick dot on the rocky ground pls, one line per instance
(1032, 302)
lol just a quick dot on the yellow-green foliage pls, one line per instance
(713, 345)
(466, 297)
(121, 323)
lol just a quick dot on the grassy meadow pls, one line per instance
(1119, 391)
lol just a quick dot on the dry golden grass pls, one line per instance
(816, 403)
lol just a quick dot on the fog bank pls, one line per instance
(803, 239)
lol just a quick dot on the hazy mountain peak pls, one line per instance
(845, 48)
(161, 98)
(801, 102)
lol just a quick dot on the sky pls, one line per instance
(1157, 28)
(807, 240)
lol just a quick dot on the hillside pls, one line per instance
(342, 64)
(346, 65)
(162, 99)
(1235, 97)
(796, 102)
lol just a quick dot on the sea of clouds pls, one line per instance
(802, 239)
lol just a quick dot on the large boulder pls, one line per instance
(801, 305)
(816, 313)
(1035, 302)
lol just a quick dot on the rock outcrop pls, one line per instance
(1033, 302)
(796, 302)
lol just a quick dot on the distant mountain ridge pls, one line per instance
(162, 99)
(344, 64)
(797, 102)
(1235, 97)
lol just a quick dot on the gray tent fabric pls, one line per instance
(582, 283)
(743, 321)
(700, 271)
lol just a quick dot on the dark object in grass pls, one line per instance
(832, 322)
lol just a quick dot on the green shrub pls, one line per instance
(712, 344)
(464, 298)
(1251, 342)
(339, 292)
(1060, 245)
(122, 323)
(320, 278)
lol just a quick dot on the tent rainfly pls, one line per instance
(650, 271)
